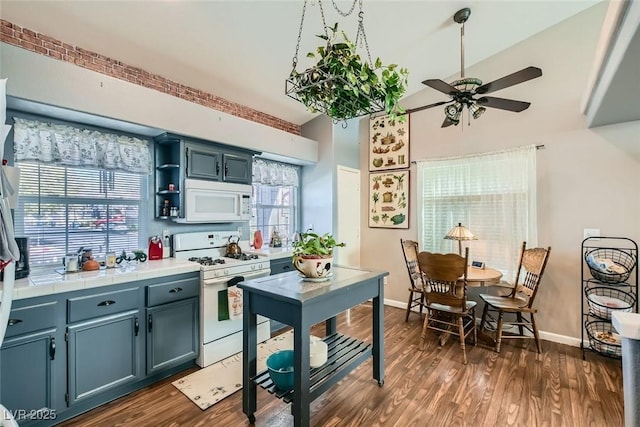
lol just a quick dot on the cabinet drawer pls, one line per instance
(102, 304)
(32, 318)
(281, 265)
(175, 290)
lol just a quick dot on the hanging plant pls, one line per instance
(344, 86)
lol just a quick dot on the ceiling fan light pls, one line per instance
(452, 111)
(476, 111)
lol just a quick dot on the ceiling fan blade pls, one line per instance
(424, 107)
(447, 122)
(441, 86)
(503, 104)
(510, 80)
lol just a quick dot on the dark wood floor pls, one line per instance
(517, 387)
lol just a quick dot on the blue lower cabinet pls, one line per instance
(172, 334)
(26, 373)
(103, 354)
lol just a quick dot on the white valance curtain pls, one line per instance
(275, 173)
(492, 194)
(70, 146)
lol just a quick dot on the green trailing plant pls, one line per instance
(343, 85)
(312, 244)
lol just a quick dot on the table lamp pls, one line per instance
(460, 233)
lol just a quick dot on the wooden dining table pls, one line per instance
(483, 276)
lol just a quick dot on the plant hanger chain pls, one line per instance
(353, 6)
(295, 56)
(360, 34)
(361, 31)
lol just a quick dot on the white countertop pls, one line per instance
(45, 283)
(273, 253)
(627, 324)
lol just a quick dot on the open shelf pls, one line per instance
(344, 354)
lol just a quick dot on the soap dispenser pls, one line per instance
(166, 245)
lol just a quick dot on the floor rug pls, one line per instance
(215, 382)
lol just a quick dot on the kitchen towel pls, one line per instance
(234, 294)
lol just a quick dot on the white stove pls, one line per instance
(220, 323)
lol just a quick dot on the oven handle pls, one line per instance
(236, 279)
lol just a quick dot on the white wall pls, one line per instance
(318, 180)
(587, 178)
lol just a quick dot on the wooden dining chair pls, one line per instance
(448, 311)
(504, 315)
(416, 297)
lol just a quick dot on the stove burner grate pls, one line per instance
(242, 257)
(207, 260)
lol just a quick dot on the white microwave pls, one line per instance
(213, 201)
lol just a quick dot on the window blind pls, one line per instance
(63, 208)
(492, 194)
(275, 199)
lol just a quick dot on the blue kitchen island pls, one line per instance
(289, 299)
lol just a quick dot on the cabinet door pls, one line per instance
(237, 168)
(103, 354)
(26, 372)
(172, 334)
(281, 265)
(203, 164)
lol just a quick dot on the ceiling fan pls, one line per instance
(469, 92)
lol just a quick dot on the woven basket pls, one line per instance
(604, 300)
(624, 259)
(603, 338)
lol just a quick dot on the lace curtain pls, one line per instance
(275, 173)
(65, 145)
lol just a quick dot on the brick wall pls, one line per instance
(48, 46)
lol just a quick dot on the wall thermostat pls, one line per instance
(477, 264)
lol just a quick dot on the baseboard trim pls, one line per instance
(548, 336)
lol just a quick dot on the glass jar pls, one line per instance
(110, 260)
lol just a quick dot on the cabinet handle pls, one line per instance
(226, 169)
(12, 322)
(217, 168)
(136, 326)
(286, 267)
(150, 322)
(175, 290)
(52, 349)
(106, 303)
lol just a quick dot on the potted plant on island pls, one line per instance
(343, 85)
(313, 255)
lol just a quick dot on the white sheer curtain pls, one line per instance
(492, 194)
(66, 145)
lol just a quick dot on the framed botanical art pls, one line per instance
(388, 143)
(389, 199)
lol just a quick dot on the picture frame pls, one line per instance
(388, 143)
(389, 199)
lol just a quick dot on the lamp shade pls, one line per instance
(460, 233)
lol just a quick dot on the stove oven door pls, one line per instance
(214, 300)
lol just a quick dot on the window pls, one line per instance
(62, 209)
(275, 199)
(79, 187)
(493, 195)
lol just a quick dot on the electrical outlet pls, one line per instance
(591, 232)
(239, 232)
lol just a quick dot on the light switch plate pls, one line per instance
(591, 232)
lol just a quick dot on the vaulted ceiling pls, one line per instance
(243, 50)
